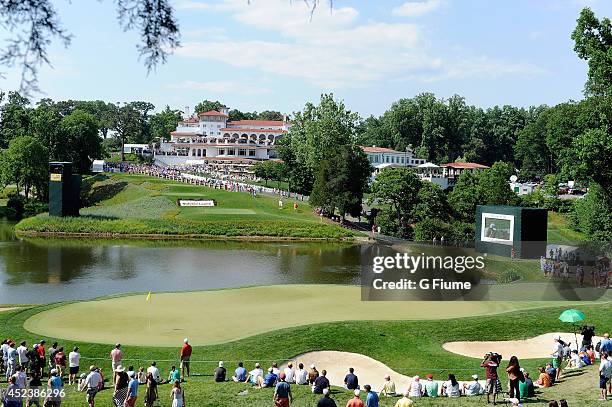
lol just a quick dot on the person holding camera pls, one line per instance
(493, 385)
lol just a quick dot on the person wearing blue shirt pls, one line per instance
(350, 380)
(132, 395)
(240, 373)
(606, 344)
(371, 396)
(270, 379)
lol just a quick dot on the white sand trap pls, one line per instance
(532, 348)
(369, 371)
(7, 308)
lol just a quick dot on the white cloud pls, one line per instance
(416, 8)
(222, 87)
(334, 49)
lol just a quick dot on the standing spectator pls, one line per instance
(74, 359)
(116, 355)
(22, 354)
(41, 356)
(54, 397)
(52, 352)
(371, 399)
(151, 396)
(490, 363)
(20, 377)
(301, 375)
(282, 392)
(4, 353)
(605, 374)
(326, 401)
(177, 395)
(240, 373)
(121, 381)
(11, 397)
(132, 394)
(220, 373)
(355, 401)
(351, 381)
(34, 386)
(186, 352)
(514, 376)
(91, 385)
(557, 356)
(11, 361)
(606, 344)
(60, 361)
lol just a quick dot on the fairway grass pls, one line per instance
(219, 316)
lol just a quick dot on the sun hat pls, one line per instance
(257, 364)
(325, 391)
(475, 376)
(131, 373)
(357, 392)
(53, 371)
(120, 369)
(185, 340)
(221, 363)
(312, 366)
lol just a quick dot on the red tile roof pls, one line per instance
(212, 113)
(239, 130)
(378, 150)
(256, 123)
(465, 166)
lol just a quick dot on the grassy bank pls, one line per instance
(409, 347)
(146, 207)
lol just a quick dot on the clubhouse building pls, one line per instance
(210, 137)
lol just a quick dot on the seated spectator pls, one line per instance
(356, 400)
(256, 375)
(141, 376)
(543, 379)
(575, 362)
(326, 401)
(289, 373)
(313, 373)
(301, 375)
(416, 389)
(389, 387)
(175, 374)
(155, 372)
(450, 388)
(404, 401)
(269, 380)
(552, 372)
(320, 383)
(351, 381)
(472, 388)
(586, 360)
(275, 369)
(371, 399)
(591, 353)
(526, 388)
(240, 374)
(220, 373)
(430, 388)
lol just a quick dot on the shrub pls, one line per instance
(508, 276)
(15, 207)
(429, 228)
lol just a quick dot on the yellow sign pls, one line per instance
(56, 177)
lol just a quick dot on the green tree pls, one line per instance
(270, 115)
(80, 131)
(431, 203)
(268, 170)
(493, 185)
(165, 122)
(126, 125)
(594, 152)
(14, 118)
(531, 150)
(206, 105)
(464, 196)
(398, 189)
(341, 181)
(25, 163)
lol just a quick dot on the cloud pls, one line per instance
(337, 48)
(416, 8)
(222, 87)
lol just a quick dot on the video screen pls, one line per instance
(497, 228)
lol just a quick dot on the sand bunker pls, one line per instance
(370, 371)
(7, 308)
(533, 348)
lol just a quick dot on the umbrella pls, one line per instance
(572, 316)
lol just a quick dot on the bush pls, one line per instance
(428, 229)
(508, 276)
(15, 207)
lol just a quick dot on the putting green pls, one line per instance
(209, 317)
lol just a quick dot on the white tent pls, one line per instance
(98, 166)
(428, 165)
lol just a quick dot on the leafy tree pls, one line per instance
(593, 43)
(531, 150)
(80, 131)
(594, 151)
(206, 105)
(270, 115)
(14, 117)
(269, 170)
(341, 181)
(398, 189)
(25, 163)
(432, 203)
(493, 186)
(165, 122)
(592, 215)
(464, 196)
(236, 114)
(126, 125)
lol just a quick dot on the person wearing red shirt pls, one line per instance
(355, 401)
(186, 351)
(41, 356)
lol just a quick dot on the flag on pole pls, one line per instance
(149, 296)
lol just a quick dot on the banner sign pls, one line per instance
(196, 202)
(56, 177)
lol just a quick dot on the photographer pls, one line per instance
(587, 332)
(491, 362)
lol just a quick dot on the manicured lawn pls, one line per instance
(135, 204)
(559, 231)
(409, 347)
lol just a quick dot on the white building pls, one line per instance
(212, 137)
(523, 188)
(446, 175)
(381, 157)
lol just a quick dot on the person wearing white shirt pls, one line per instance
(605, 374)
(155, 372)
(301, 375)
(557, 355)
(416, 388)
(289, 373)
(20, 377)
(91, 384)
(22, 354)
(472, 388)
(255, 374)
(74, 359)
(4, 348)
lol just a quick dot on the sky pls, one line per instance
(273, 55)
